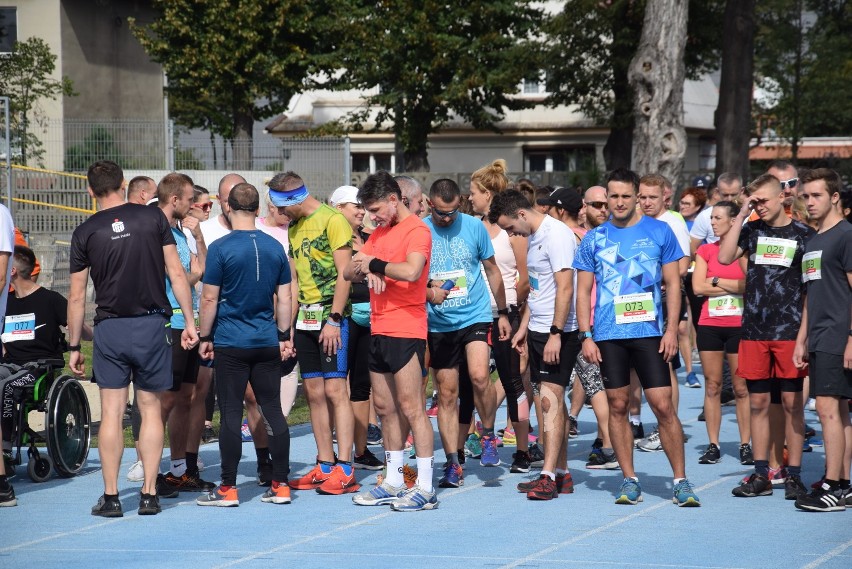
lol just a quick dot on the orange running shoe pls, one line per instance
(311, 480)
(339, 482)
(221, 496)
(277, 494)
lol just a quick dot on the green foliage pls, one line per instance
(425, 61)
(99, 144)
(186, 159)
(25, 77)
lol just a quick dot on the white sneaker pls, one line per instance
(810, 405)
(136, 474)
(651, 443)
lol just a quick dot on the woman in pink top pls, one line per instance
(719, 331)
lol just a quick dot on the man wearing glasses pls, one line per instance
(460, 320)
(596, 208)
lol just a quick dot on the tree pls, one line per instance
(232, 62)
(733, 114)
(25, 77)
(587, 59)
(427, 63)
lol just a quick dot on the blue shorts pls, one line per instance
(140, 345)
(313, 362)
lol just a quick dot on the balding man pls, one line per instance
(597, 211)
(141, 190)
(412, 194)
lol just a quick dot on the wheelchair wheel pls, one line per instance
(68, 426)
(40, 468)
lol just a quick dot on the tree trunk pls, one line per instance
(412, 135)
(618, 148)
(656, 74)
(733, 115)
(242, 144)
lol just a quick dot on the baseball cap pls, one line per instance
(344, 194)
(566, 198)
(283, 198)
(702, 181)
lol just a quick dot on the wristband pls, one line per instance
(77, 347)
(378, 266)
(429, 283)
(331, 322)
(283, 336)
(208, 338)
(502, 312)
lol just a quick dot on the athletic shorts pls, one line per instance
(828, 376)
(762, 359)
(389, 354)
(141, 345)
(589, 374)
(313, 361)
(718, 338)
(448, 348)
(559, 374)
(184, 363)
(641, 354)
(775, 387)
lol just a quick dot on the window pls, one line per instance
(534, 85)
(560, 159)
(372, 161)
(8, 29)
(706, 154)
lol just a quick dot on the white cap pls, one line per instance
(344, 194)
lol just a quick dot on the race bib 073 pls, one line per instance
(637, 307)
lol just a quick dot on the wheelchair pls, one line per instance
(67, 420)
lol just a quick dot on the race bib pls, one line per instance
(534, 288)
(459, 282)
(727, 305)
(812, 266)
(310, 317)
(773, 251)
(637, 307)
(19, 327)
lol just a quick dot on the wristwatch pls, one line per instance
(502, 312)
(335, 316)
(715, 281)
(555, 330)
(585, 334)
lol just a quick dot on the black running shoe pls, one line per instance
(209, 435)
(7, 497)
(264, 473)
(638, 432)
(189, 482)
(149, 505)
(573, 427)
(462, 457)
(520, 461)
(374, 435)
(711, 455)
(746, 455)
(793, 488)
(536, 456)
(107, 508)
(822, 499)
(754, 485)
(368, 461)
(164, 489)
(701, 416)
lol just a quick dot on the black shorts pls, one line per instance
(184, 363)
(559, 374)
(313, 362)
(447, 348)
(389, 354)
(775, 387)
(141, 345)
(641, 354)
(828, 376)
(718, 339)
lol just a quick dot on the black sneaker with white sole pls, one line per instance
(108, 507)
(367, 461)
(746, 454)
(754, 485)
(711, 456)
(264, 473)
(7, 497)
(165, 489)
(149, 505)
(822, 499)
(520, 462)
(536, 456)
(793, 488)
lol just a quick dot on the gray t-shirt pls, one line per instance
(827, 259)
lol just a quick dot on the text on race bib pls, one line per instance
(19, 327)
(310, 317)
(534, 286)
(727, 305)
(459, 279)
(630, 308)
(774, 251)
(812, 266)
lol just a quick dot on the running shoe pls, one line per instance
(684, 495)
(692, 380)
(473, 446)
(815, 441)
(524, 487)
(509, 437)
(793, 488)
(598, 444)
(136, 473)
(746, 454)
(311, 480)
(432, 411)
(339, 483)
(408, 474)
(806, 447)
(564, 483)
(777, 476)
(189, 483)
(711, 456)
(755, 485)
(809, 432)
(629, 493)
(599, 460)
(701, 416)
(453, 476)
(7, 497)
(543, 489)
(374, 435)
(461, 456)
(165, 489)
(149, 505)
(245, 432)
(823, 499)
(264, 473)
(409, 442)
(536, 456)
(727, 398)
(223, 496)
(10, 465)
(651, 443)
(381, 495)
(638, 432)
(847, 493)
(489, 456)
(415, 499)
(277, 494)
(520, 462)
(573, 427)
(107, 507)
(368, 461)
(209, 435)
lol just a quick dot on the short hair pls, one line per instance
(173, 184)
(542, 192)
(846, 201)
(698, 193)
(286, 181)
(779, 165)
(655, 180)
(408, 182)
(733, 208)
(625, 176)
(137, 184)
(526, 187)
(729, 178)
(829, 176)
(104, 177)
(763, 180)
(198, 191)
(445, 189)
(244, 197)
(492, 177)
(25, 261)
(377, 187)
(507, 203)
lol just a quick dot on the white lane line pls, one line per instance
(828, 556)
(59, 535)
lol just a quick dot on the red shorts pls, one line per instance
(764, 359)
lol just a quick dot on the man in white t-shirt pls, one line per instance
(548, 328)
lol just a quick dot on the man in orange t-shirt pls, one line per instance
(395, 264)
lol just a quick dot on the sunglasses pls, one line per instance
(597, 205)
(438, 213)
(791, 183)
(203, 207)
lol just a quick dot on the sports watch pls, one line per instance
(554, 330)
(584, 335)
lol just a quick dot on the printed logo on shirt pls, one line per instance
(644, 243)
(118, 226)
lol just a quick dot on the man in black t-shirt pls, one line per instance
(127, 249)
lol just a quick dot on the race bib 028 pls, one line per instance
(773, 251)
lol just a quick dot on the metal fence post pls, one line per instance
(8, 142)
(347, 162)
